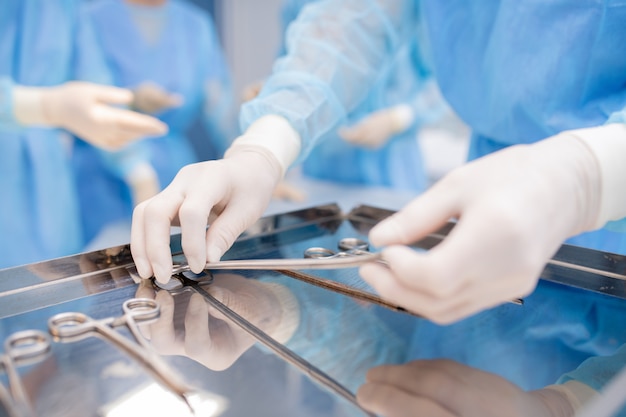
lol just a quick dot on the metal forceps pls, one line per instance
(345, 259)
(183, 282)
(22, 348)
(77, 326)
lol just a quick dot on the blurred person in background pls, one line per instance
(46, 45)
(168, 53)
(378, 143)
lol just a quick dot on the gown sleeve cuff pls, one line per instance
(274, 134)
(608, 145)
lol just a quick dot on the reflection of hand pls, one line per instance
(209, 337)
(287, 192)
(151, 98)
(374, 130)
(88, 111)
(446, 388)
(515, 208)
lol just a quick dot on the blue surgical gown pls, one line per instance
(42, 44)
(399, 163)
(515, 72)
(186, 59)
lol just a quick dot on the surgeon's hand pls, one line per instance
(206, 335)
(374, 130)
(87, 110)
(151, 98)
(229, 194)
(514, 209)
(443, 388)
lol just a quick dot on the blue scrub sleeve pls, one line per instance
(7, 117)
(335, 50)
(598, 371)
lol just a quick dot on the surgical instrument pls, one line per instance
(74, 326)
(22, 348)
(352, 256)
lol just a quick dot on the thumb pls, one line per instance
(422, 216)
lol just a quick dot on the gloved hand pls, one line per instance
(143, 182)
(230, 194)
(375, 129)
(209, 337)
(514, 209)
(287, 192)
(443, 388)
(86, 110)
(151, 98)
(252, 90)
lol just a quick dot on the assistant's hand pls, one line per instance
(87, 110)
(375, 129)
(514, 209)
(211, 338)
(443, 388)
(151, 98)
(229, 194)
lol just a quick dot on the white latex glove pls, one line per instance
(514, 209)
(152, 98)
(443, 388)
(143, 182)
(375, 129)
(229, 194)
(212, 339)
(86, 110)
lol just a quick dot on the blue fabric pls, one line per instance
(40, 44)
(187, 59)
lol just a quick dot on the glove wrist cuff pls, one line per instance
(275, 135)
(28, 106)
(575, 393)
(608, 146)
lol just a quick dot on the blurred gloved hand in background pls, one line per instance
(375, 129)
(87, 110)
(151, 98)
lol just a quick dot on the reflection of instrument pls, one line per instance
(188, 281)
(22, 348)
(75, 326)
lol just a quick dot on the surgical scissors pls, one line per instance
(353, 254)
(22, 348)
(73, 326)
